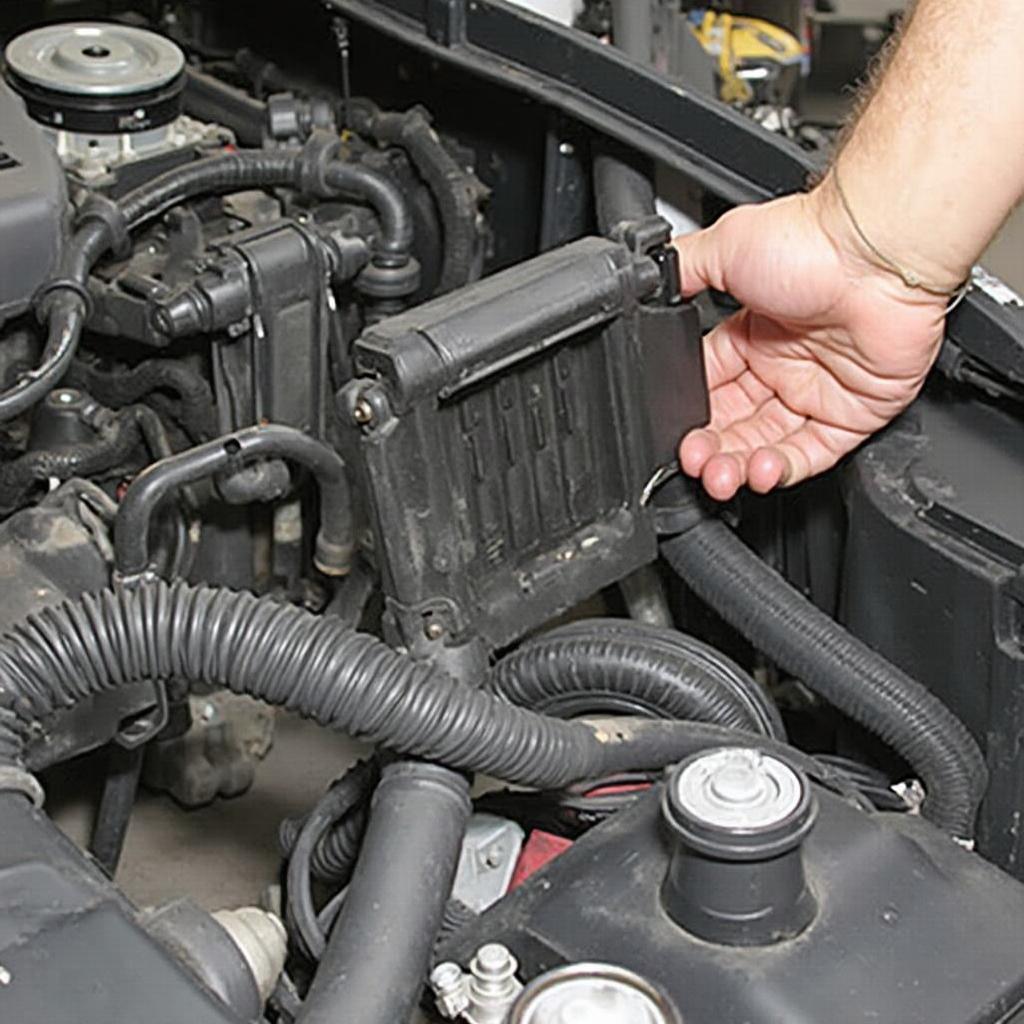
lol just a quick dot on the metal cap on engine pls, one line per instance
(97, 58)
(592, 994)
(738, 803)
(97, 76)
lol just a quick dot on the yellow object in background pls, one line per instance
(741, 46)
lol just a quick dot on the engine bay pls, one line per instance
(343, 371)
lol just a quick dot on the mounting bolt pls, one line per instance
(448, 984)
(362, 412)
(433, 630)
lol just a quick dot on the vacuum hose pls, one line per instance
(843, 670)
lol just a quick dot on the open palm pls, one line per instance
(826, 349)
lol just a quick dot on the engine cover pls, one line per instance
(33, 201)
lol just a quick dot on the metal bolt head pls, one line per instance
(567, 149)
(433, 630)
(362, 412)
(448, 984)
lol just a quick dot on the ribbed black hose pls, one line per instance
(337, 802)
(333, 857)
(319, 668)
(617, 666)
(193, 409)
(286, 656)
(793, 632)
(454, 189)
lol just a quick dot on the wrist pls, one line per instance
(900, 266)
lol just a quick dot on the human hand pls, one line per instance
(827, 348)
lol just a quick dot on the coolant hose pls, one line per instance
(379, 952)
(454, 189)
(334, 542)
(779, 620)
(617, 666)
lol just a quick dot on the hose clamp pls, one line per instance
(111, 216)
(319, 152)
(44, 295)
(17, 780)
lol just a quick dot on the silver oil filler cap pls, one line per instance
(738, 817)
(107, 93)
(95, 59)
(592, 994)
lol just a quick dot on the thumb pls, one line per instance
(699, 261)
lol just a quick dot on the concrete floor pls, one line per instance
(222, 855)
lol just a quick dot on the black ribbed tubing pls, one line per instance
(617, 666)
(793, 632)
(313, 665)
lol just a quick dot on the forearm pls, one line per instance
(935, 162)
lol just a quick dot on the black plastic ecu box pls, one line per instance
(909, 927)
(934, 579)
(507, 432)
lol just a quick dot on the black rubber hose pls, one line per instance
(335, 542)
(65, 317)
(333, 857)
(623, 187)
(618, 666)
(454, 189)
(193, 409)
(388, 203)
(319, 668)
(353, 593)
(209, 99)
(376, 961)
(337, 802)
(259, 168)
(793, 632)
(112, 447)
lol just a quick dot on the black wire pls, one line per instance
(341, 798)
